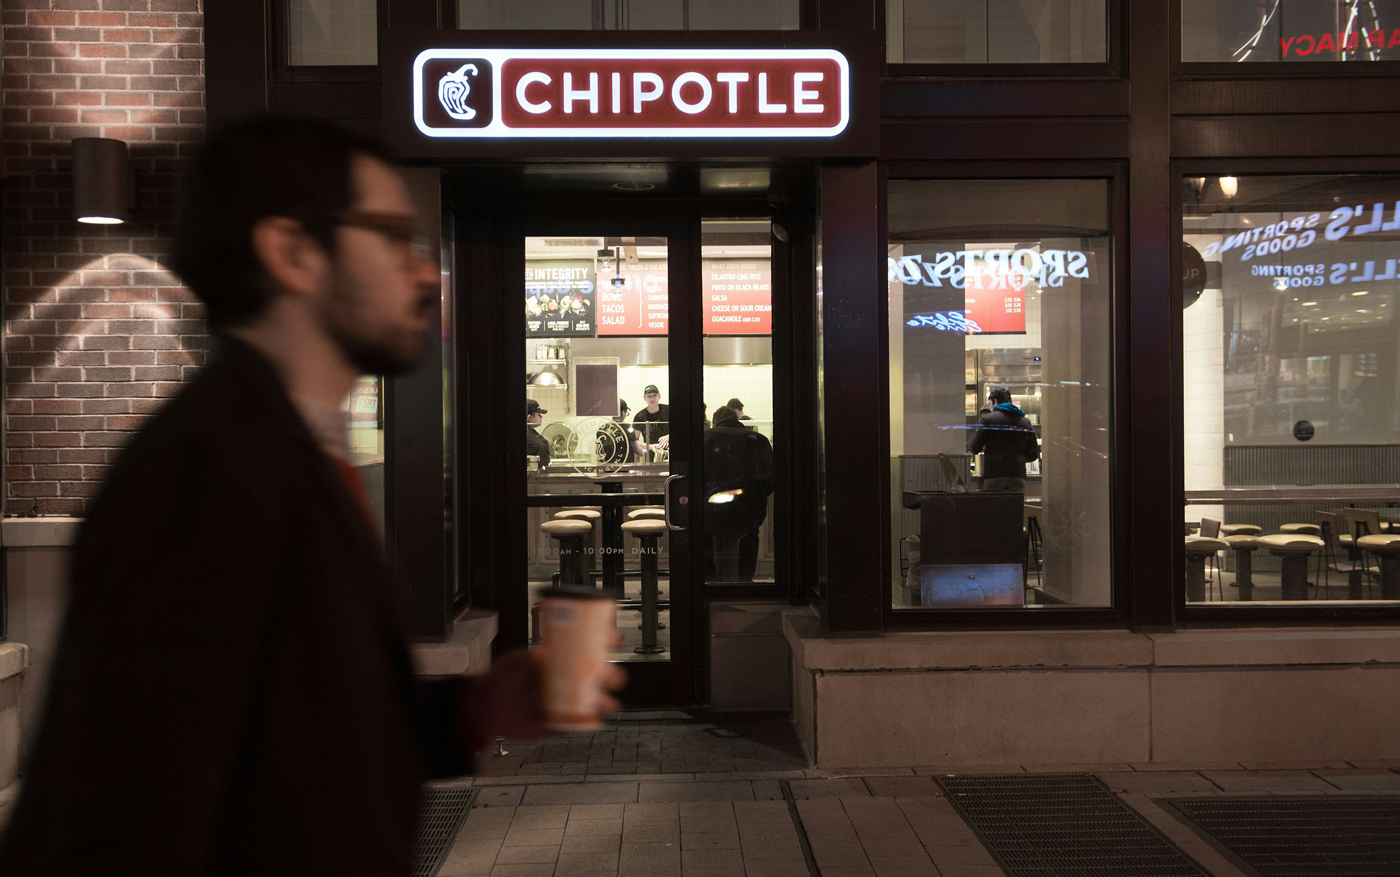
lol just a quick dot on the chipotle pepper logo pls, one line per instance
(456, 92)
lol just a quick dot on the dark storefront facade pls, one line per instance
(1162, 236)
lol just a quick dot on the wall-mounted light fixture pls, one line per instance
(102, 185)
(1229, 186)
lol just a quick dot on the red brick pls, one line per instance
(56, 439)
(77, 34)
(105, 117)
(102, 19)
(58, 473)
(101, 50)
(152, 19)
(30, 423)
(77, 99)
(22, 34)
(118, 67)
(52, 50)
(154, 51)
(57, 406)
(54, 115)
(126, 5)
(59, 19)
(81, 455)
(97, 473)
(29, 65)
(28, 489)
(79, 488)
(34, 455)
(102, 83)
(29, 99)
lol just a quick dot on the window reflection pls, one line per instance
(332, 33)
(628, 15)
(1000, 295)
(1290, 386)
(996, 31)
(1290, 30)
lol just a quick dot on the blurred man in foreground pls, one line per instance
(233, 694)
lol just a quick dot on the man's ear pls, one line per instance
(294, 261)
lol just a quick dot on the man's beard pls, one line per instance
(376, 350)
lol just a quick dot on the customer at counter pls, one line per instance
(738, 408)
(653, 424)
(536, 445)
(738, 482)
(1007, 438)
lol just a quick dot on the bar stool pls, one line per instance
(570, 533)
(1198, 548)
(1243, 544)
(1387, 548)
(647, 511)
(594, 517)
(648, 531)
(1300, 529)
(1294, 549)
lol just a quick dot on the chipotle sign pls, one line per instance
(508, 93)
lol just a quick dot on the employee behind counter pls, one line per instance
(536, 445)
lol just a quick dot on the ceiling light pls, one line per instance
(1309, 304)
(1362, 292)
(1229, 186)
(1280, 283)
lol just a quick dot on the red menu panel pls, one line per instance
(738, 296)
(640, 305)
(995, 303)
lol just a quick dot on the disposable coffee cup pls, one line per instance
(578, 627)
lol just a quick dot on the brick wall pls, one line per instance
(97, 332)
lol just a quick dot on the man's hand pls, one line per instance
(510, 698)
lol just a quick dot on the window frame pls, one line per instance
(1112, 68)
(1267, 69)
(1307, 613)
(282, 70)
(1117, 616)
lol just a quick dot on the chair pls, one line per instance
(1348, 528)
(1293, 549)
(1210, 529)
(1198, 548)
(648, 531)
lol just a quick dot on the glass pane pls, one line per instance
(1000, 348)
(1290, 387)
(364, 409)
(628, 15)
(736, 288)
(597, 313)
(332, 32)
(996, 31)
(1290, 30)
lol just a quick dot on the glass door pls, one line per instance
(610, 425)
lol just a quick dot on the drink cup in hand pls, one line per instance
(578, 627)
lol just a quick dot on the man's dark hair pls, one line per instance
(724, 413)
(245, 172)
(1000, 395)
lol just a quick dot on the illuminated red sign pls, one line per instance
(639, 305)
(507, 93)
(738, 297)
(997, 306)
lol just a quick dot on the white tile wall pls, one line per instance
(1203, 398)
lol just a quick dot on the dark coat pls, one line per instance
(1008, 439)
(737, 458)
(232, 694)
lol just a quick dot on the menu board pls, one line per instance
(996, 305)
(559, 299)
(738, 296)
(640, 305)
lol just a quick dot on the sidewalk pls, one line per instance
(668, 795)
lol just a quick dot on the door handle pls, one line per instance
(666, 501)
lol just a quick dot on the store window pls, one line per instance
(628, 15)
(323, 33)
(1291, 388)
(996, 31)
(1000, 299)
(1290, 30)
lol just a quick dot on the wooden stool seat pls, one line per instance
(1382, 544)
(566, 527)
(587, 514)
(1243, 540)
(652, 527)
(1290, 543)
(647, 511)
(1204, 546)
(1307, 529)
(1240, 530)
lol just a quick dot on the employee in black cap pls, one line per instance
(535, 444)
(653, 423)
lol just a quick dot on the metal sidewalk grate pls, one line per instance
(1063, 825)
(443, 812)
(1302, 835)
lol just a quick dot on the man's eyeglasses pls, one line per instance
(397, 228)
